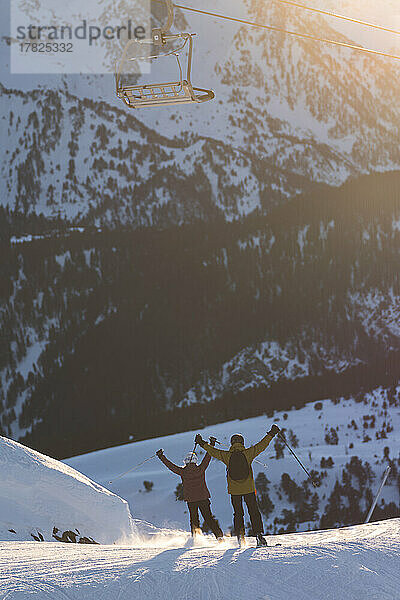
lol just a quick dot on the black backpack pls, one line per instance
(238, 467)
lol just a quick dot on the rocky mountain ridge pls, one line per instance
(288, 113)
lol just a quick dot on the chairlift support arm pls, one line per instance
(159, 94)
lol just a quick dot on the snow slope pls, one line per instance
(345, 564)
(310, 426)
(38, 493)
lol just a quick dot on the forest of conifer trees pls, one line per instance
(126, 321)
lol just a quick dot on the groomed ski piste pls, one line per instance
(143, 557)
(353, 563)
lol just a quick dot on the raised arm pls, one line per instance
(206, 460)
(221, 455)
(255, 450)
(174, 468)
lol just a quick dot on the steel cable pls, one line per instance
(296, 33)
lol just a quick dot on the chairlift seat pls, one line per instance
(162, 94)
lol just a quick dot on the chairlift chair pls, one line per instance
(161, 94)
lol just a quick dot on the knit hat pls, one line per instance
(190, 458)
(237, 439)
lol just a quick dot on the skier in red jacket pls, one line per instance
(195, 490)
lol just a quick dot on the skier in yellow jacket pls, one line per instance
(240, 479)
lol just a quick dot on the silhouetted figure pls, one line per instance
(195, 490)
(241, 486)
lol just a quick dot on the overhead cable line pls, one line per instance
(337, 16)
(286, 31)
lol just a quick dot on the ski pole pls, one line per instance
(300, 463)
(261, 463)
(371, 510)
(132, 469)
(217, 442)
(193, 451)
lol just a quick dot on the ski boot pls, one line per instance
(241, 540)
(261, 541)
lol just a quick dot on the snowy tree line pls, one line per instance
(127, 321)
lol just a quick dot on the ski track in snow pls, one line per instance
(349, 563)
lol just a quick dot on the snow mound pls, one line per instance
(38, 493)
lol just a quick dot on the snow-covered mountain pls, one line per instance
(92, 162)
(199, 324)
(315, 286)
(287, 112)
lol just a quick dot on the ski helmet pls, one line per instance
(190, 458)
(237, 439)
